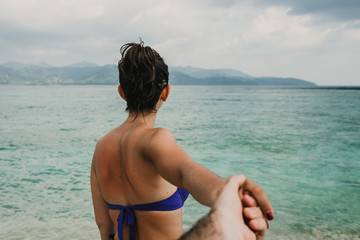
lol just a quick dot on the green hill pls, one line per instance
(89, 73)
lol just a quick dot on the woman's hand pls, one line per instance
(253, 216)
(253, 190)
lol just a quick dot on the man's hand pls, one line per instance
(226, 218)
(228, 211)
(239, 214)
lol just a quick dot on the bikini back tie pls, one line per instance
(126, 214)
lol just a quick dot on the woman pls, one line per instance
(139, 172)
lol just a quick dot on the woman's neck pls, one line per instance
(139, 118)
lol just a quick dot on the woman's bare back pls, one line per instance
(126, 177)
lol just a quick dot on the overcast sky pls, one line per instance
(315, 40)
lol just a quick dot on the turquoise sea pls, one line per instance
(301, 145)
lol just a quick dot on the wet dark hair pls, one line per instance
(143, 75)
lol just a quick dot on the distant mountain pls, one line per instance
(206, 73)
(44, 65)
(89, 73)
(82, 65)
(199, 76)
(81, 74)
(13, 65)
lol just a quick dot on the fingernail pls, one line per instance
(269, 215)
(267, 224)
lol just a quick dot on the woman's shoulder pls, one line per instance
(161, 135)
(159, 140)
(147, 140)
(107, 138)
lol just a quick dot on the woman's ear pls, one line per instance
(165, 93)
(122, 95)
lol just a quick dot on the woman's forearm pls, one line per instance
(203, 184)
(178, 168)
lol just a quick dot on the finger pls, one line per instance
(261, 233)
(233, 183)
(258, 225)
(248, 200)
(252, 213)
(258, 193)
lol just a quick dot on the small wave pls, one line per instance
(67, 129)
(55, 188)
(7, 206)
(31, 180)
(77, 189)
(40, 173)
(354, 183)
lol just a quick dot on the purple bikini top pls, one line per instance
(173, 202)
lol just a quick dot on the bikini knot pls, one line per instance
(126, 214)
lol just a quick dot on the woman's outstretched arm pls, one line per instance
(177, 167)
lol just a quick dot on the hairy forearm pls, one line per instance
(205, 228)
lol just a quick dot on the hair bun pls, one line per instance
(143, 74)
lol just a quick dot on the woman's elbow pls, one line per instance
(103, 223)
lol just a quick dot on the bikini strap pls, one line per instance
(127, 214)
(173, 202)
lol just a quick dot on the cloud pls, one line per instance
(275, 26)
(347, 10)
(272, 37)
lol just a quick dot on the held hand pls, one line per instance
(251, 189)
(254, 217)
(228, 211)
(226, 218)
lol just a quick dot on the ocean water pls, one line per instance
(301, 145)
